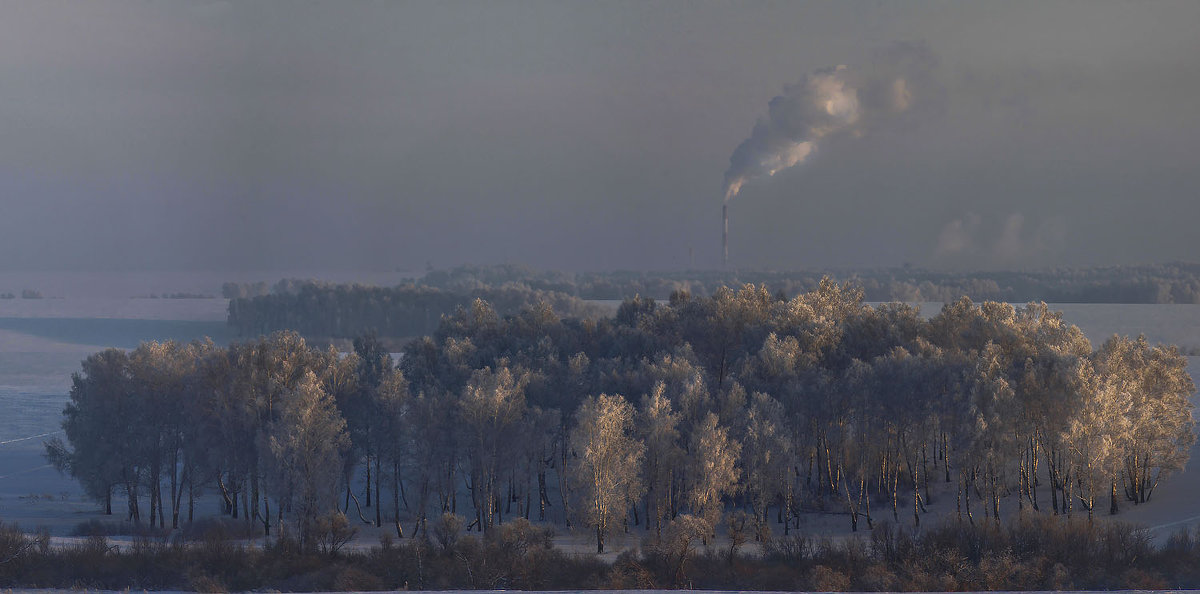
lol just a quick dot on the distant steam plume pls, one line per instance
(830, 101)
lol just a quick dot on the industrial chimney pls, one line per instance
(725, 234)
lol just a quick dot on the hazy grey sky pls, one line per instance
(254, 135)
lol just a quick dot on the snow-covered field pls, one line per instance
(43, 341)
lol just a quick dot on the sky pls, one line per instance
(592, 135)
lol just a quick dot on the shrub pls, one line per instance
(738, 525)
(203, 582)
(671, 552)
(794, 549)
(354, 579)
(332, 531)
(629, 573)
(447, 530)
(825, 579)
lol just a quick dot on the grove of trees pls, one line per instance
(669, 417)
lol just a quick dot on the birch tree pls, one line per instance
(492, 405)
(712, 468)
(302, 453)
(606, 476)
(658, 429)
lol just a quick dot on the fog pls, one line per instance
(269, 135)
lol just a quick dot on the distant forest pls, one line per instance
(325, 310)
(740, 410)
(1169, 283)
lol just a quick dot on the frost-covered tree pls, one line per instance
(491, 407)
(302, 453)
(712, 468)
(97, 449)
(658, 430)
(1155, 384)
(160, 373)
(1095, 438)
(607, 475)
(392, 407)
(767, 457)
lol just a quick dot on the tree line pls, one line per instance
(1165, 283)
(325, 310)
(669, 417)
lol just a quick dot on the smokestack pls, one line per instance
(725, 234)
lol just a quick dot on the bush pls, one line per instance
(670, 553)
(14, 546)
(332, 531)
(794, 549)
(519, 536)
(825, 579)
(203, 582)
(1034, 553)
(447, 530)
(354, 579)
(628, 573)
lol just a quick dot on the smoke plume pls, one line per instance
(830, 101)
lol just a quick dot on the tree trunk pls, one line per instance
(1052, 470)
(368, 485)
(1022, 483)
(543, 497)
(1068, 501)
(396, 498)
(561, 471)
(865, 501)
(135, 512)
(267, 517)
(995, 498)
(1037, 447)
(916, 500)
(966, 489)
(958, 501)
(224, 494)
(925, 468)
(378, 504)
(153, 496)
(946, 454)
(362, 518)
(896, 495)
(849, 507)
(175, 495)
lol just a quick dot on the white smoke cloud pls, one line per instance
(958, 236)
(1011, 242)
(830, 101)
